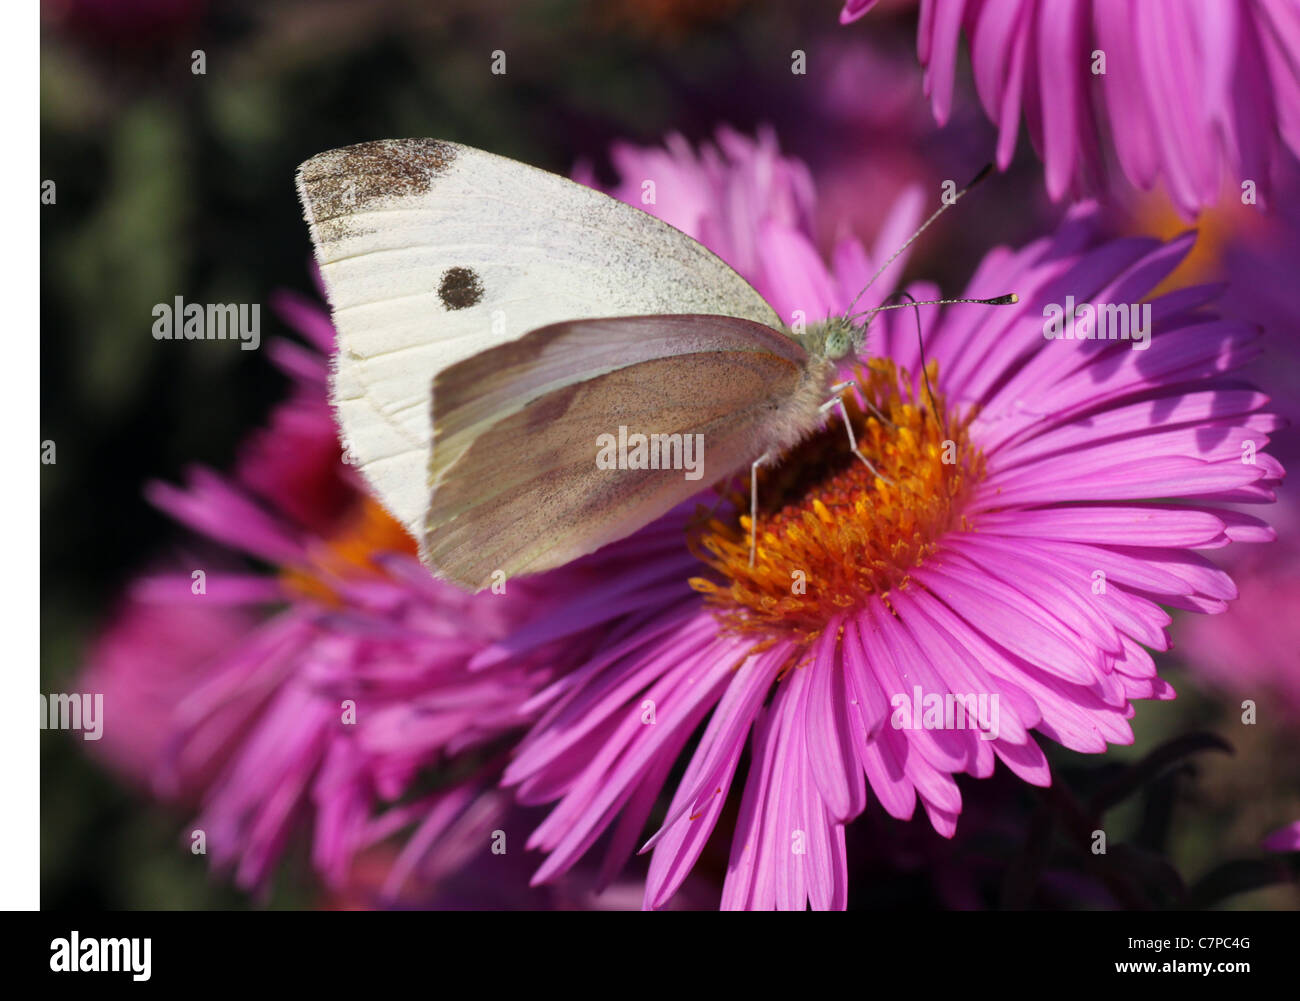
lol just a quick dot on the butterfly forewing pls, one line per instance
(432, 252)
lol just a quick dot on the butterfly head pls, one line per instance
(835, 338)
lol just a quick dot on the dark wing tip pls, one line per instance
(343, 181)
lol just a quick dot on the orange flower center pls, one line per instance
(832, 534)
(365, 532)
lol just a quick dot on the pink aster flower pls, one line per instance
(1032, 522)
(757, 210)
(1254, 651)
(723, 194)
(1190, 94)
(319, 694)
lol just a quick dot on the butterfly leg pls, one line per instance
(838, 401)
(753, 504)
(839, 387)
(875, 412)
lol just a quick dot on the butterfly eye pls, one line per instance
(838, 343)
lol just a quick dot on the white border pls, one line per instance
(20, 790)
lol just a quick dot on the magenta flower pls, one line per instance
(1009, 555)
(1190, 94)
(734, 194)
(1014, 552)
(1253, 652)
(320, 695)
(148, 659)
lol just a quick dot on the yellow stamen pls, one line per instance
(830, 534)
(364, 533)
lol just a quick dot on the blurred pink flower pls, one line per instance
(463, 875)
(880, 144)
(756, 209)
(237, 688)
(1191, 93)
(1254, 650)
(146, 662)
(1057, 448)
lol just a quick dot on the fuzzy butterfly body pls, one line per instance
(494, 320)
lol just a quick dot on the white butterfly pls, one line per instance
(495, 319)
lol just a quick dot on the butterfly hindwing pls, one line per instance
(518, 485)
(474, 394)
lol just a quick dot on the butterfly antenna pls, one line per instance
(1001, 300)
(923, 227)
(935, 412)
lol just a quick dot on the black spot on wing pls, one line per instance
(460, 288)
